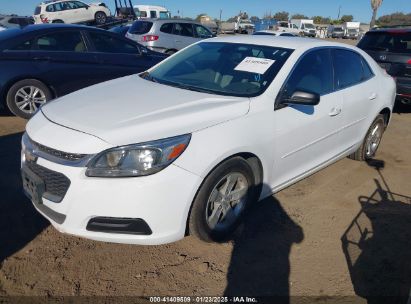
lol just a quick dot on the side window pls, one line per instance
(348, 68)
(294, 26)
(13, 21)
(202, 32)
(184, 29)
(58, 7)
(78, 4)
(143, 14)
(313, 73)
(108, 44)
(153, 14)
(167, 28)
(50, 8)
(61, 42)
(25, 46)
(368, 73)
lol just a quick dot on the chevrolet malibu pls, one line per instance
(190, 144)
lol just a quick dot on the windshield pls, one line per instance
(222, 68)
(352, 30)
(395, 41)
(165, 15)
(338, 29)
(140, 27)
(309, 25)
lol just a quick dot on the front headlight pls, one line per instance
(138, 159)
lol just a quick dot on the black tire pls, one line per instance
(197, 222)
(364, 152)
(13, 97)
(100, 18)
(58, 21)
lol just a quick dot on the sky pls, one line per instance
(360, 9)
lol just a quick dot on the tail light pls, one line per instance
(148, 38)
(44, 19)
(409, 61)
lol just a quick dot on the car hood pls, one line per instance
(133, 110)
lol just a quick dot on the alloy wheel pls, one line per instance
(29, 98)
(227, 201)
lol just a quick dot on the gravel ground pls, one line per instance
(344, 231)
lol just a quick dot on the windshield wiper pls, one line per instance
(147, 76)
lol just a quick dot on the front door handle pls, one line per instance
(335, 111)
(372, 96)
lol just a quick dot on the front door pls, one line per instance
(307, 136)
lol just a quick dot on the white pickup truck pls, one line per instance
(285, 26)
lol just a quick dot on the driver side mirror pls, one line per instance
(303, 98)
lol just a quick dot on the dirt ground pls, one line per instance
(344, 231)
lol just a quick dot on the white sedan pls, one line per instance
(190, 144)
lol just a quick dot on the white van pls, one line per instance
(151, 12)
(305, 26)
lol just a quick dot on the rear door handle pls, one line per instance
(335, 111)
(372, 96)
(42, 58)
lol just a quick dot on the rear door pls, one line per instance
(359, 87)
(183, 35)
(117, 57)
(61, 58)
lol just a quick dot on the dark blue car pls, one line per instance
(41, 62)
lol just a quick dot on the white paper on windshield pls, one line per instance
(254, 65)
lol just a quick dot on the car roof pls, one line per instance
(33, 28)
(169, 20)
(297, 43)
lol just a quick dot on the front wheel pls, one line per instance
(26, 96)
(100, 18)
(372, 140)
(222, 200)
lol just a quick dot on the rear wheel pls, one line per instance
(372, 140)
(100, 18)
(222, 200)
(26, 96)
(58, 21)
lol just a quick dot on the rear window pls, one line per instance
(140, 27)
(37, 10)
(395, 41)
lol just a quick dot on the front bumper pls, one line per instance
(161, 200)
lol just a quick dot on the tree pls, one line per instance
(299, 16)
(281, 16)
(321, 20)
(254, 19)
(347, 18)
(198, 18)
(375, 5)
(394, 19)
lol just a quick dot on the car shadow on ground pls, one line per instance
(19, 222)
(377, 245)
(260, 263)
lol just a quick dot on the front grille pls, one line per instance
(56, 184)
(57, 153)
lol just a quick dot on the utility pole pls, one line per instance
(339, 12)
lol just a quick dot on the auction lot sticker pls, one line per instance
(254, 65)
